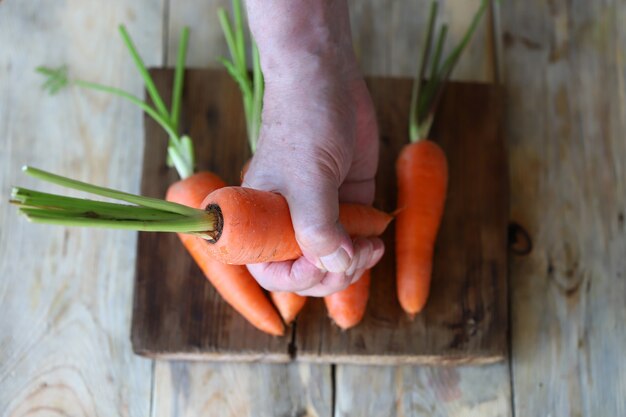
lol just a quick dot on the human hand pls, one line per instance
(318, 145)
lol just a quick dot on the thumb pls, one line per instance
(315, 216)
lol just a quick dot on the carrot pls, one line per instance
(254, 226)
(233, 282)
(288, 304)
(346, 308)
(422, 175)
(422, 171)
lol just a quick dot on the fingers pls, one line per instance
(323, 240)
(291, 276)
(314, 207)
(368, 251)
(304, 278)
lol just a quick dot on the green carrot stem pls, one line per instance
(415, 93)
(154, 203)
(251, 89)
(147, 214)
(36, 199)
(149, 83)
(228, 33)
(425, 98)
(197, 226)
(239, 36)
(451, 60)
(157, 117)
(182, 161)
(438, 50)
(179, 76)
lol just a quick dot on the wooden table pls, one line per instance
(66, 293)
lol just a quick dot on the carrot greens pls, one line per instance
(142, 214)
(251, 87)
(180, 148)
(426, 94)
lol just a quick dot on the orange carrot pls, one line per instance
(288, 304)
(347, 307)
(233, 282)
(422, 173)
(255, 226)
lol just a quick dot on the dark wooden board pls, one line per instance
(178, 315)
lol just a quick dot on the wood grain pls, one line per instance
(465, 318)
(566, 123)
(177, 313)
(237, 390)
(66, 293)
(435, 391)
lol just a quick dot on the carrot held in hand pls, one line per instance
(422, 173)
(289, 304)
(233, 282)
(253, 226)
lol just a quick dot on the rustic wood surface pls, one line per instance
(234, 390)
(565, 76)
(177, 314)
(66, 293)
(563, 73)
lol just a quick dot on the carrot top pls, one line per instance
(251, 87)
(425, 96)
(142, 214)
(180, 147)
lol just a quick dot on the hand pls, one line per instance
(318, 145)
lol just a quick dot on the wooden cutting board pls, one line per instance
(177, 314)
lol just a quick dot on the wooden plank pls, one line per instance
(465, 319)
(435, 391)
(236, 390)
(66, 293)
(177, 313)
(565, 77)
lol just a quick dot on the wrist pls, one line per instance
(302, 41)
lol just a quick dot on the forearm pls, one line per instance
(301, 39)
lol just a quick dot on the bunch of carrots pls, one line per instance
(220, 226)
